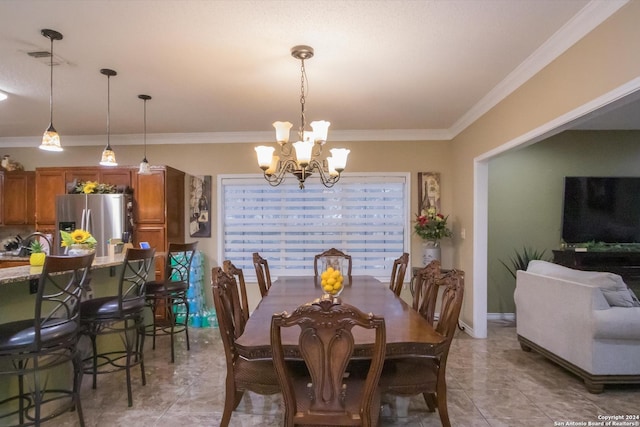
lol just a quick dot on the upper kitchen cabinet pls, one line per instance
(49, 183)
(120, 177)
(17, 204)
(53, 181)
(159, 209)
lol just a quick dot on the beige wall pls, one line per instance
(601, 62)
(214, 159)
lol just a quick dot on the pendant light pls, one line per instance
(51, 139)
(108, 156)
(145, 168)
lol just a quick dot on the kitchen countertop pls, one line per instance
(27, 272)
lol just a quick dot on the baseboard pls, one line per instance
(511, 317)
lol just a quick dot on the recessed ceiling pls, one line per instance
(223, 67)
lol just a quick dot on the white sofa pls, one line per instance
(588, 322)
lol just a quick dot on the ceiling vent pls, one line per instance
(43, 56)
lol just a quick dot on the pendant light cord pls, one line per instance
(108, 112)
(145, 130)
(303, 75)
(51, 85)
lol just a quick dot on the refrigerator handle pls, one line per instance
(88, 221)
(83, 221)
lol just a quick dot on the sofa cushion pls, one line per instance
(617, 323)
(614, 290)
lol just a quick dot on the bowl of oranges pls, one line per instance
(332, 282)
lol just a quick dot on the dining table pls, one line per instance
(407, 332)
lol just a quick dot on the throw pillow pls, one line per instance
(614, 290)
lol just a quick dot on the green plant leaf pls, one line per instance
(520, 261)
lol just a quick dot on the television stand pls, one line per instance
(624, 263)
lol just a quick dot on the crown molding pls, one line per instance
(230, 137)
(589, 17)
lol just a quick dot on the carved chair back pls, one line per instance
(398, 273)
(328, 396)
(425, 292)
(262, 273)
(242, 313)
(331, 253)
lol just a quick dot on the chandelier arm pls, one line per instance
(288, 165)
(286, 150)
(327, 180)
(317, 150)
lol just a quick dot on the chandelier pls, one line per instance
(302, 158)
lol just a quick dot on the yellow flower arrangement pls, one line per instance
(94, 187)
(77, 236)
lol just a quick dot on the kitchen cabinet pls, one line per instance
(1, 198)
(49, 183)
(53, 181)
(8, 262)
(159, 209)
(158, 199)
(17, 194)
(119, 176)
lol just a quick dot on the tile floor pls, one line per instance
(490, 383)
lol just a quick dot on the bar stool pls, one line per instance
(121, 314)
(163, 297)
(48, 341)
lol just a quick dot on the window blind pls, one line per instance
(363, 216)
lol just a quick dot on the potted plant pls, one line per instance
(78, 242)
(37, 253)
(520, 261)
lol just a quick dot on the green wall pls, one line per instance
(526, 190)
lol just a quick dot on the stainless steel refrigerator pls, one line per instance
(105, 216)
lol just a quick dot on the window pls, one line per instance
(364, 216)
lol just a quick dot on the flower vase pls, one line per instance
(79, 249)
(430, 252)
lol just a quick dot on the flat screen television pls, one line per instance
(601, 209)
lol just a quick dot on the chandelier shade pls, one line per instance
(108, 155)
(302, 158)
(51, 138)
(145, 167)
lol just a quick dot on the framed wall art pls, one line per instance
(428, 191)
(199, 205)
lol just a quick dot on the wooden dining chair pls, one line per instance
(262, 273)
(335, 253)
(257, 376)
(408, 376)
(425, 293)
(242, 313)
(398, 272)
(328, 395)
